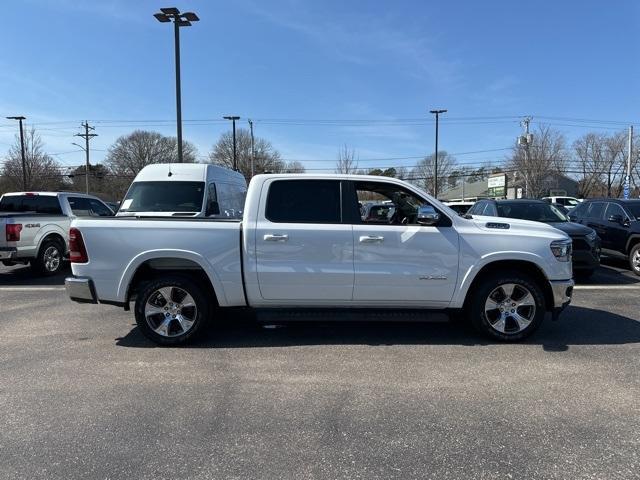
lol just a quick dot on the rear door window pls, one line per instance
(615, 209)
(596, 210)
(304, 201)
(80, 206)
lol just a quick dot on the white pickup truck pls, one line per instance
(36, 226)
(302, 245)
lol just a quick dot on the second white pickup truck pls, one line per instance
(302, 244)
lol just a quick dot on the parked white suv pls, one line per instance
(303, 244)
(36, 226)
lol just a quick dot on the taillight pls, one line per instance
(77, 250)
(13, 232)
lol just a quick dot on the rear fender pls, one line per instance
(136, 262)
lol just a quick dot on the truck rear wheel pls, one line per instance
(50, 258)
(171, 310)
(507, 306)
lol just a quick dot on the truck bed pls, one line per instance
(118, 246)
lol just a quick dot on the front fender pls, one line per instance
(134, 264)
(470, 270)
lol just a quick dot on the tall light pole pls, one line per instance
(179, 20)
(253, 152)
(233, 119)
(435, 180)
(24, 163)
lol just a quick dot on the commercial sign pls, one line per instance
(497, 185)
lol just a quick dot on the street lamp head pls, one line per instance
(16, 118)
(437, 111)
(231, 117)
(190, 16)
(170, 11)
(161, 17)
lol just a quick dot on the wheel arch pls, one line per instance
(525, 266)
(632, 241)
(151, 264)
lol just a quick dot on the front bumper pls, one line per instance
(80, 289)
(8, 253)
(562, 291)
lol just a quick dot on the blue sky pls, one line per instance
(488, 63)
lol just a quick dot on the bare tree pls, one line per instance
(589, 160)
(615, 163)
(424, 173)
(42, 171)
(267, 158)
(547, 155)
(347, 161)
(131, 153)
(294, 167)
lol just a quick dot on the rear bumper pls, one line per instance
(562, 292)
(80, 289)
(8, 253)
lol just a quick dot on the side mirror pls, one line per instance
(212, 209)
(428, 219)
(616, 218)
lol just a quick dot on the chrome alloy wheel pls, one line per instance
(510, 308)
(52, 258)
(170, 311)
(635, 261)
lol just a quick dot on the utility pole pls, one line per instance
(24, 163)
(525, 141)
(87, 136)
(627, 182)
(179, 20)
(233, 119)
(435, 180)
(253, 153)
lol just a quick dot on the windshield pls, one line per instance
(164, 197)
(537, 212)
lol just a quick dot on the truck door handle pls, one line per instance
(371, 239)
(276, 237)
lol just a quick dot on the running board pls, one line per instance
(275, 316)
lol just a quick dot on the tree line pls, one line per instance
(597, 161)
(127, 156)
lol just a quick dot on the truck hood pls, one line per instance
(496, 225)
(572, 229)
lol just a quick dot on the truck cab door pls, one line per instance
(402, 261)
(303, 249)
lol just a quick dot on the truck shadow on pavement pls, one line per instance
(577, 326)
(25, 276)
(612, 271)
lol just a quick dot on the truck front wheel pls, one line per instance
(507, 306)
(171, 310)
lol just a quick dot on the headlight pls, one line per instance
(592, 236)
(561, 249)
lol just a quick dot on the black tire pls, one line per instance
(634, 259)
(50, 258)
(487, 324)
(175, 333)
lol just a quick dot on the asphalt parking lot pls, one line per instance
(84, 395)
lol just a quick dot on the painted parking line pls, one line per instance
(31, 289)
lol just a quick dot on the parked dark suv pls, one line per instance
(586, 244)
(617, 223)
